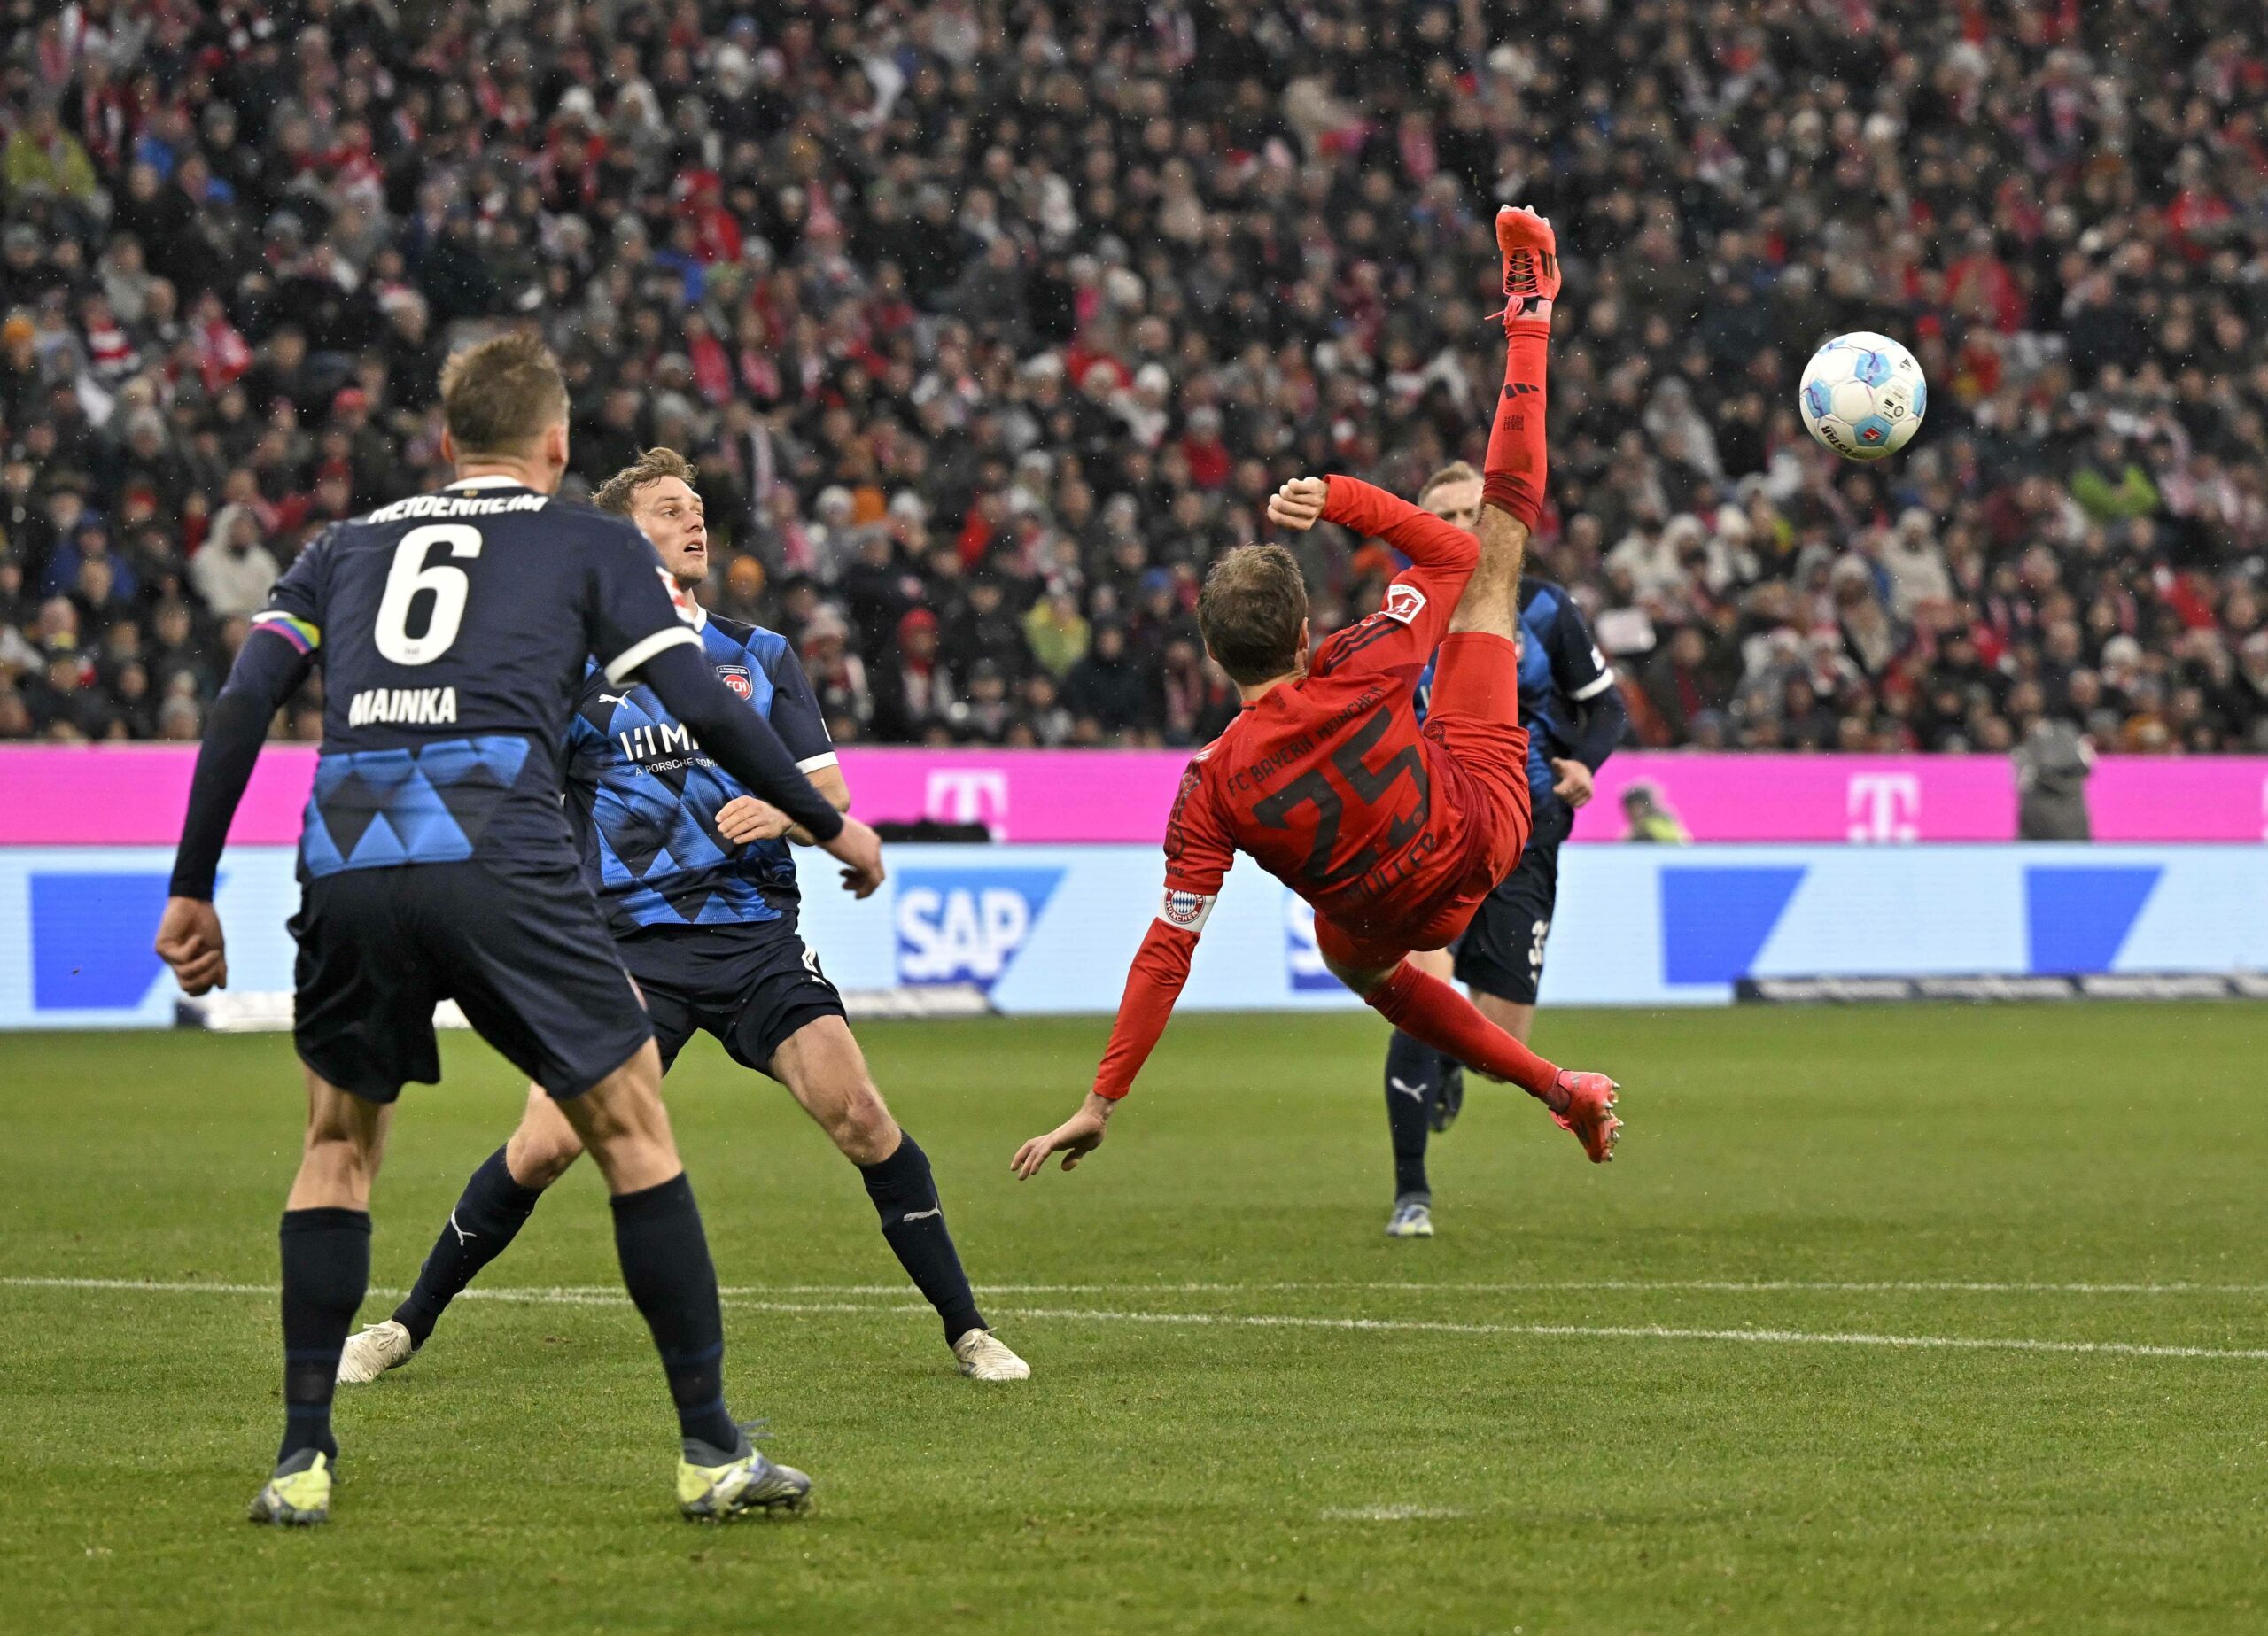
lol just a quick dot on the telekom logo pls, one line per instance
(968, 795)
(1884, 806)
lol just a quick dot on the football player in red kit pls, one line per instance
(1393, 832)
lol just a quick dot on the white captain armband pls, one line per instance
(1185, 912)
(1597, 684)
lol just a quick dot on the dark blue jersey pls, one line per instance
(1562, 673)
(454, 630)
(648, 797)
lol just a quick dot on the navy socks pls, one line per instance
(666, 1268)
(492, 1209)
(326, 1270)
(914, 1223)
(1413, 1073)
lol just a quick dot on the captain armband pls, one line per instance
(1185, 912)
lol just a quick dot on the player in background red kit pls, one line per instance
(1393, 832)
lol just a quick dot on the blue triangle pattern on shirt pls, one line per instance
(378, 847)
(429, 832)
(316, 849)
(377, 809)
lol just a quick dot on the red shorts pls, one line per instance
(1480, 769)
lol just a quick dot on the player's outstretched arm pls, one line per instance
(745, 746)
(269, 668)
(1075, 1138)
(1369, 510)
(1153, 982)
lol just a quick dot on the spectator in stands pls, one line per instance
(1012, 317)
(233, 572)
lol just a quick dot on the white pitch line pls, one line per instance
(572, 1294)
(569, 1294)
(1387, 1513)
(564, 1295)
(1656, 1331)
(1719, 1286)
(587, 1296)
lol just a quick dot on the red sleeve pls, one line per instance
(1153, 982)
(1200, 846)
(1198, 851)
(1422, 597)
(1433, 546)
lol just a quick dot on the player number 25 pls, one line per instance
(412, 574)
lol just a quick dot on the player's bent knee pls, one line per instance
(545, 1145)
(1511, 1016)
(1363, 980)
(863, 1130)
(622, 1121)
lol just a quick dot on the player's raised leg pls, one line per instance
(823, 1067)
(1511, 487)
(1433, 1012)
(325, 1240)
(665, 1266)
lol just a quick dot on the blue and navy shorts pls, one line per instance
(1501, 950)
(521, 949)
(750, 986)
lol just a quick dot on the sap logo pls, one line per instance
(966, 925)
(968, 795)
(1303, 959)
(1403, 602)
(1884, 806)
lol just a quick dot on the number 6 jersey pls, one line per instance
(453, 630)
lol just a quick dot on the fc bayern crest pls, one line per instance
(736, 677)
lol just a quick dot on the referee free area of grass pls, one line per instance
(1732, 1382)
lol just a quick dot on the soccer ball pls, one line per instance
(1862, 396)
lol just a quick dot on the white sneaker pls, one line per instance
(1412, 1218)
(365, 1356)
(985, 1356)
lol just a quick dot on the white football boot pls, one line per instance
(370, 1355)
(983, 1355)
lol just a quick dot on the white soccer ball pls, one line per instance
(1862, 395)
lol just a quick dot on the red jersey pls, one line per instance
(1326, 781)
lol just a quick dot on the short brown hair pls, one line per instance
(1252, 605)
(1456, 472)
(618, 491)
(499, 395)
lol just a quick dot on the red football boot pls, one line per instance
(1586, 1107)
(1531, 264)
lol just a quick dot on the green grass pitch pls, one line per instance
(1660, 1397)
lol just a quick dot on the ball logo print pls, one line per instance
(1862, 395)
(966, 926)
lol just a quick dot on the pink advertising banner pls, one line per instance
(135, 795)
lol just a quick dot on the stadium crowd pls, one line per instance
(990, 321)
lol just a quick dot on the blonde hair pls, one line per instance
(499, 395)
(1456, 472)
(619, 492)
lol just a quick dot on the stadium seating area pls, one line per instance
(990, 323)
